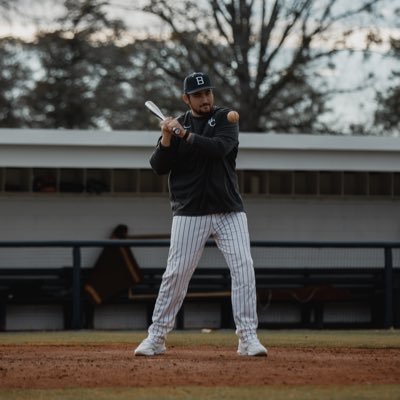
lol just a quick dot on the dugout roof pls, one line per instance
(132, 149)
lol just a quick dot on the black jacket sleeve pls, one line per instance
(225, 139)
(163, 158)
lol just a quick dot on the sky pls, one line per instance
(35, 14)
(348, 108)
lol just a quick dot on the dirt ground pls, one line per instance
(54, 366)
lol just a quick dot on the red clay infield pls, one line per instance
(55, 366)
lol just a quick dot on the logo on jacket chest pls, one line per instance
(211, 122)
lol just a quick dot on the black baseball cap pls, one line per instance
(195, 82)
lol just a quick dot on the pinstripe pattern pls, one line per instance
(188, 237)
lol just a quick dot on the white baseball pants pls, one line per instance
(188, 237)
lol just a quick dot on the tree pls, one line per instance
(13, 83)
(387, 115)
(142, 80)
(83, 76)
(264, 56)
(72, 62)
(8, 5)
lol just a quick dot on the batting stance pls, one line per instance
(198, 150)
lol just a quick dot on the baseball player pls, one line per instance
(198, 150)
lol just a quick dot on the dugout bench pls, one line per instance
(309, 289)
(117, 279)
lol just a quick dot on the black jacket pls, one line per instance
(202, 173)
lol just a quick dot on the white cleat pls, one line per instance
(251, 348)
(149, 347)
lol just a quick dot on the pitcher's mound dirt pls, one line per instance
(44, 366)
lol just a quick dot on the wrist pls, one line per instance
(165, 141)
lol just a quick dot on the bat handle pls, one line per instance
(176, 131)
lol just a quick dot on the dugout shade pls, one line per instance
(115, 270)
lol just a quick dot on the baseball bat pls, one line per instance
(157, 112)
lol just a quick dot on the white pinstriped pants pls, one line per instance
(188, 237)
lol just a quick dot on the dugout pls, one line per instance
(57, 184)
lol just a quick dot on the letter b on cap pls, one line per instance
(199, 80)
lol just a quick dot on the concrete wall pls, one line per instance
(60, 217)
(324, 219)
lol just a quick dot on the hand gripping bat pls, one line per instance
(157, 112)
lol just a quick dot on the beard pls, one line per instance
(204, 110)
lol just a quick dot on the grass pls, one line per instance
(279, 338)
(356, 392)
